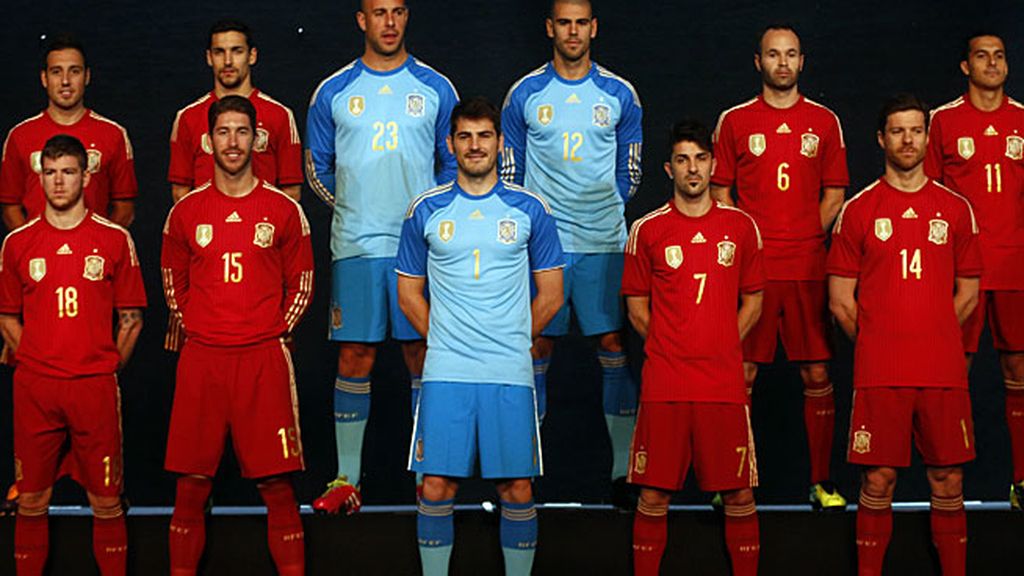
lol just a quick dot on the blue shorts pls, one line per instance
(364, 298)
(592, 284)
(455, 421)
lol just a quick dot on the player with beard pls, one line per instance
(573, 134)
(237, 267)
(904, 273)
(376, 133)
(786, 156)
(62, 277)
(277, 152)
(976, 147)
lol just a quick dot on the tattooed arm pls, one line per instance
(129, 325)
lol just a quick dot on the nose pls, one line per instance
(390, 22)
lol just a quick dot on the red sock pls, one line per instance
(650, 532)
(31, 544)
(284, 527)
(820, 421)
(1015, 422)
(110, 545)
(742, 538)
(949, 534)
(188, 525)
(874, 530)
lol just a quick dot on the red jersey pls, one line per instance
(905, 249)
(277, 150)
(981, 155)
(693, 270)
(65, 284)
(111, 162)
(237, 271)
(779, 160)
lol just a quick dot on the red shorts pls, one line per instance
(78, 418)
(248, 391)
(885, 419)
(1005, 312)
(716, 437)
(796, 311)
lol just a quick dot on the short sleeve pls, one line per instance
(933, 157)
(12, 172)
(844, 257)
(752, 261)
(636, 270)
(412, 245)
(725, 152)
(182, 166)
(124, 186)
(967, 250)
(545, 247)
(10, 282)
(834, 170)
(129, 291)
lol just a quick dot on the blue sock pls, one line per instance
(435, 533)
(518, 536)
(540, 385)
(351, 409)
(620, 403)
(417, 384)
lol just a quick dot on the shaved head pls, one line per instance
(575, 2)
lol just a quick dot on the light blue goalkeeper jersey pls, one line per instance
(477, 253)
(578, 144)
(376, 140)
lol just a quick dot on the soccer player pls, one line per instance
(478, 242)
(62, 277)
(786, 157)
(111, 188)
(687, 265)
(376, 133)
(573, 135)
(237, 268)
(277, 151)
(904, 268)
(976, 147)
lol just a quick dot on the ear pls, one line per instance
(714, 164)
(668, 170)
(550, 25)
(964, 68)
(88, 75)
(881, 139)
(448, 141)
(757, 62)
(42, 78)
(253, 56)
(501, 143)
(801, 68)
(361, 20)
(593, 28)
(86, 176)
(209, 58)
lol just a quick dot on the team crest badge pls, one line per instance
(94, 159)
(1014, 147)
(35, 160)
(446, 230)
(809, 144)
(415, 104)
(204, 234)
(938, 232)
(757, 144)
(261, 141)
(206, 144)
(861, 442)
(726, 252)
(508, 231)
(883, 229)
(419, 449)
(93, 268)
(545, 113)
(336, 317)
(37, 268)
(264, 236)
(965, 147)
(674, 256)
(602, 115)
(640, 462)
(356, 105)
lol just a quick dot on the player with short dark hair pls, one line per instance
(112, 186)
(903, 276)
(687, 265)
(237, 267)
(786, 157)
(277, 151)
(976, 147)
(573, 134)
(376, 134)
(62, 277)
(478, 242)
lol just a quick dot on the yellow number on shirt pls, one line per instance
(67, 301)
(385, 136)
(782, 177)
(232, 267)
(571, 143)
(994, 170)
(476, 263)
(703, 278)
(911, 263)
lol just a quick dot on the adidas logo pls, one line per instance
(783, 129)
(234, 217)
(991, 131)
(476, 215)
(698, 238)
(909, 214)
(64, 250)
(384, 90)
(572, 99)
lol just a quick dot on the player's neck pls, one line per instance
(384, 62)
(66, 116)
(244, 89)
(906, 180)
(235, 185)
(984, 99)
(571, 69)
(781, 99)
(477, 185)
(65, 219)
(693, 207)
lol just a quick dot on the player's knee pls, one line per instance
(815, 374)
(742, 497)
(542, 348)
(34, 503)
(654, 498)
(1013, 366)
(518, 491)
(948, 481)
(879, 482)
(414, 352)
(610, 342)
(105, 506)
(355, 360)
(438, 488)
(749, 373)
